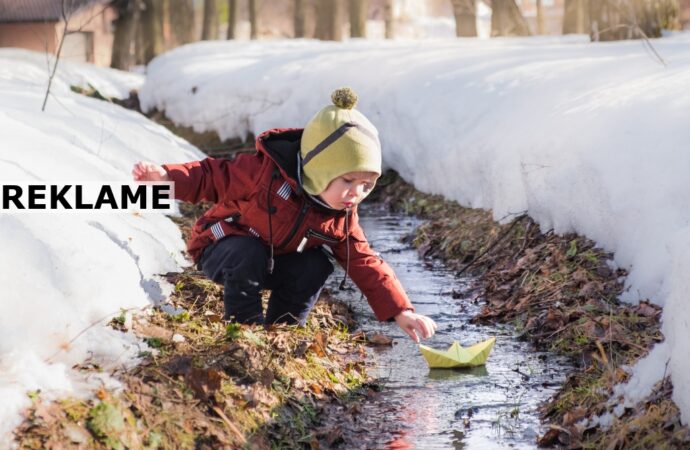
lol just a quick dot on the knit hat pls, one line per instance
(336, 141)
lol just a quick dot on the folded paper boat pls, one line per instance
(456, 356)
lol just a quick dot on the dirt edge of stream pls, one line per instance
(560, 293)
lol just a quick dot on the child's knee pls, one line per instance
(318, 267)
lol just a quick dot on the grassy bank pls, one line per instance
(560, 293)
(205, 384)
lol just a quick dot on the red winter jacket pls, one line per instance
(242, 190)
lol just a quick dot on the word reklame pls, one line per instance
(17, 197)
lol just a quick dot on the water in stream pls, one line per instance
(490, 407)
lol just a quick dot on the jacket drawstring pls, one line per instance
(347, 250)
(271, 210)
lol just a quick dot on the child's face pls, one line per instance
(349, 190)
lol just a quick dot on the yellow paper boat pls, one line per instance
(456, 356)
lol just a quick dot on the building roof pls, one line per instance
(40, 10)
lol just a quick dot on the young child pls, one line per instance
(277, 211)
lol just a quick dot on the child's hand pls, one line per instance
(416, 324)
(148, 171)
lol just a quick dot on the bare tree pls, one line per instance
(299, 18)
(328, 20)
(358, 18)
(151, 29)
(182, 23)
(684, 13)
(631, 19)
(465, 12)
(576, 16)
(66, 11)
(541, 28)
(507, 20)
(210, 24)
(125, 29)
(388, 19)
(253, 20)
(232, 19)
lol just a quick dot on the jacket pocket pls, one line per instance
(315, 235)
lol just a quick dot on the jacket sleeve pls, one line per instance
(212, 179)
(372, 275)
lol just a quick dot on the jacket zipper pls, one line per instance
(295, 228)
(311, 233)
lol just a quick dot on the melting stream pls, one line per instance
(489, 407)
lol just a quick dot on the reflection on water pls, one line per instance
(489, 407)
(454, 374)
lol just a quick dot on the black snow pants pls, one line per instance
(239, 263)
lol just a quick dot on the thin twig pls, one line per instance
(488, 249)
(93, 324)
(65, 32)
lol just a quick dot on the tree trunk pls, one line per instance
(541, 27)
(612, 20)
(253, 20)
(209, 28)
(358, 18)
(684, 13)
(182, 21)
(125, 32)
(152, 29)
(507, 20)
(575, 17)
(465, 12)
(299, 18)
(328, 21)
(388, 19)
(232, 19)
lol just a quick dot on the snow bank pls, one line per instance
(60, 273)
(588, 138)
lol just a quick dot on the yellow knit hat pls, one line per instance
(336, 141)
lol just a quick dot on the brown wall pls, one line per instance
(95, 20)
(31, 36)
(94, 23)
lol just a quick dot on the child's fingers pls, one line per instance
(412, 333)
(426, 326)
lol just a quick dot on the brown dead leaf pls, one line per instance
(580, 275)
(573, 416)
(204, 382)
(212, 316)
(320, 344)
(153, 331)
(266, 377)
(379, 339)
(646, 309)
(591, 289)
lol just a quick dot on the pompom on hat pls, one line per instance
(336, 141)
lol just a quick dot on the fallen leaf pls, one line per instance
(379, 339)
(204, 382)
(266, 377)
(212, 316)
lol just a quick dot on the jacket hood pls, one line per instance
(282, 146)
